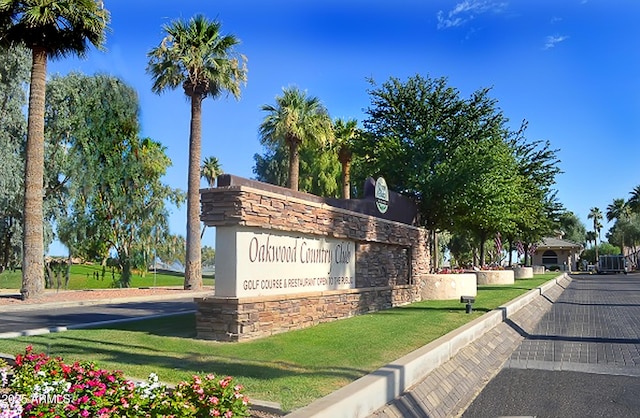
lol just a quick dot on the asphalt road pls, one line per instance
(582, 360)
(71, 317)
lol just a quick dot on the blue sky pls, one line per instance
(569, 67)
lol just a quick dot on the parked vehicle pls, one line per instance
(612, 264)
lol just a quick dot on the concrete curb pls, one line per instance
(371, 392)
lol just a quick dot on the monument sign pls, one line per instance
(261, 262)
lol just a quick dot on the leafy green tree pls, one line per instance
(294, 120)
(14, 74)
(172, 249)
(345, 134)
(596, 215)
(456, 158)
(210, 170)
(273, 166)
(50, 29)
(406, 136)
(540, 211)
(571, 226)
(604, 248)
(117, 197)
(198, 57)
(208, 256)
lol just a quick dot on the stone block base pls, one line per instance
(447, 286)
(539, 269)
(523, 272)
(241, 319)
(495, 277)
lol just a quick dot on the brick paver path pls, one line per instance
(448, 390)
(593, 327)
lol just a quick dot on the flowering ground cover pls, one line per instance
(42, 386)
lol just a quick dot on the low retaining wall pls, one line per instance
(234, 319)
(495, 277)
(523, 272)
(539, 269)
(447, 286)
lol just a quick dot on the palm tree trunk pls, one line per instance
(33, 238)
(193, 267)
(294, 164)
(346, 180)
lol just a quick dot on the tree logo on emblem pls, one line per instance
(382, 195)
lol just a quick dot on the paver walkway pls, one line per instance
(448, 390)
(594, 327)
(581, 360)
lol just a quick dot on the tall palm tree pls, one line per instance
(50, 29)
(634, 201)
(620, 211)
(210, 170)
(198, 57)
(345, 133)
(596, 215)
(295, 119)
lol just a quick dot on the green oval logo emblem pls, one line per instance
(382, 195)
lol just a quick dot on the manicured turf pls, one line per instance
(292, 369)
(93, 276)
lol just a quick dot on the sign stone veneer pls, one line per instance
(389, 257)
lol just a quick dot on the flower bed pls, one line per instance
(447, 286)
(42, 386)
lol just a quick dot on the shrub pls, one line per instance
(48, 387)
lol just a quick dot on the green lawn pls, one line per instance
(83, 277)
(292, 369)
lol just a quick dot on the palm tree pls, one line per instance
(590, 237)
(196, 56)
(210, 170)
(634, 201)
(50, 29)
(596, 215)
(620, 211)
(295, 119)
(345, 133)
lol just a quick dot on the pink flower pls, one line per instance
(214, 400)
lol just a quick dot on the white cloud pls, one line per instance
(466, 11)
(552, 41)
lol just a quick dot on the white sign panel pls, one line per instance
(265, 262)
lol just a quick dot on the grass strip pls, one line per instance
(94, 276)
(294, 368)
